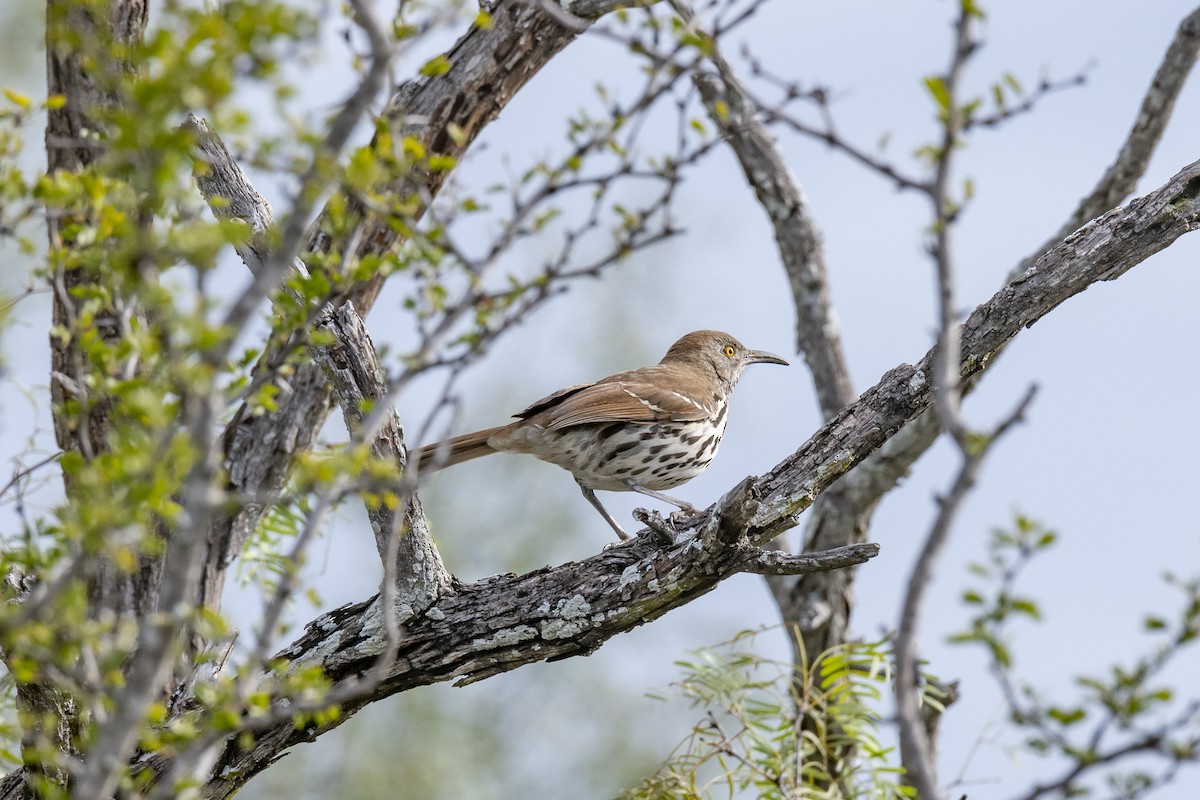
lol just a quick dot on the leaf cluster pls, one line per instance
(1126, 728)
(781, 730)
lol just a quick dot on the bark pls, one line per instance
(488, 66)
(73, 141)
(820, 604)
(52, 718)
(412, 565)
(498, 624)
(501, 623)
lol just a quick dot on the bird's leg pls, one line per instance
(595, 501)
(680, 504)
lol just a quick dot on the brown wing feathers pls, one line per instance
(621, 402)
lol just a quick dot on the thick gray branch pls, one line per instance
(821, 602)
(778, 562)
(504, 622)
(801, 251)
(817, 337)
(403, 539)
(796, 236)
(445, 113)
(413, 567)
(1102, 250)
(231, 196)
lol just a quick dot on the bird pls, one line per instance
(644, 430)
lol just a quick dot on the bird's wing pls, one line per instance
(622, 401)
(550, 400)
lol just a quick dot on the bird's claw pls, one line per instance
(655, 522)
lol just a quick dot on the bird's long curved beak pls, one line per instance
(761, 357)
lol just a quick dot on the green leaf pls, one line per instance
(937, 88)
(998, 96)
(972, 9)
(18, 99)
(1065, 716)
(1027, 607)
(1154, 623)
(438, 65)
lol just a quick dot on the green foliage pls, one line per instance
(1127, 710)
(19, 208)
(780, 730)
(1008, 553)
(151, 368)
(264, 561)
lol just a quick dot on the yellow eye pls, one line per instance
(729, 351)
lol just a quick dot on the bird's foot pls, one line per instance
(655, 522)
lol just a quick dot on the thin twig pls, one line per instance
(914, 743)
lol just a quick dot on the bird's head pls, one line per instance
(718, 351)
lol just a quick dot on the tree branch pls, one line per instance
(410, 557)
(778, 562)
(796, 234)
(1102, 250)
(445, 113)
(230, 195)
(501, 623)
(822, 601)
(916, 749)
(1121, 178)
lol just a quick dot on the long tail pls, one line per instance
(455, 451)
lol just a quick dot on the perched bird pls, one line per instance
(641, 431)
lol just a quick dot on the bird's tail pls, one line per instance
(454, 451)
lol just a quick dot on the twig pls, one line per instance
(796, 233)
(23, 473)
(1044, 88)
(947, 396)
(314, 181)
(914, 743)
